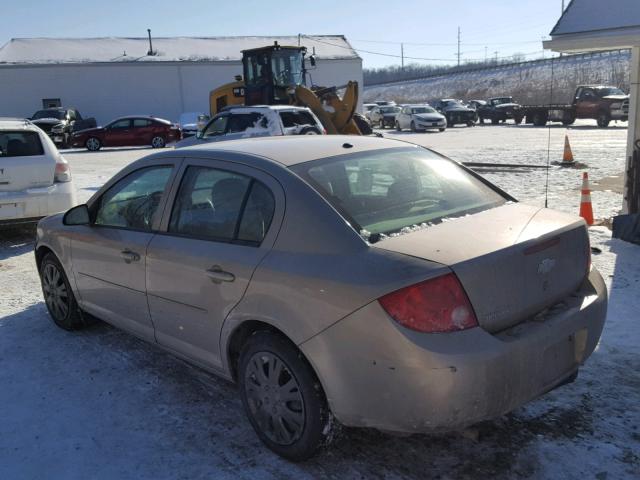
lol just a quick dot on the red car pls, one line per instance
(128, 131)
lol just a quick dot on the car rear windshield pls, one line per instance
(384, 192)
(20, 144)
(296, 118)
(422, 110)
(57, 114)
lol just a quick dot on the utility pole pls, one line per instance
(496, 54)
(458, 46)
(402, 55)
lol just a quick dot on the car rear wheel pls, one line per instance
(442, 129)
(93, 144)
(310, 131)
(495, 121)
(398, 129)
(58, 296)
(158, 142)
(413, 127)
(282, 396)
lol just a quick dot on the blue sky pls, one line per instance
(502, 26)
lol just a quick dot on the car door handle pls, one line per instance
(217, 275)
(128, 256)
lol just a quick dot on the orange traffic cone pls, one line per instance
(567, 157)
(586, 211)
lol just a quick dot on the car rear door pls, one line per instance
(142, 131)
(221, 222)
(109, 255)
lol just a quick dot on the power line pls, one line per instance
(415, 44)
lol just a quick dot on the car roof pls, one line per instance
(263, 107)
(295, 149)
(146, 117)
(7, 123)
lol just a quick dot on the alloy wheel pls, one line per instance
(274, 398)
(55, 291)
(93, 144)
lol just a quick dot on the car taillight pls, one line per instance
(437, 305)
(62, 172)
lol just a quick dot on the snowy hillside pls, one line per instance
(528, 83)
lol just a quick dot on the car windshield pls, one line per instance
(422, 110)
(385, 192)
(452, 103)
(58, 114)
(389, 109)
(500, 101)
(606, 91)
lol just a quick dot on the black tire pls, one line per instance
(495, 121)
(398, 129)
(413, 127)
(603, 119)
(158, 142)
(441, 129)
(471, 123)
(59, 298)
(517, 119)
(481, 120)
(539, 119)
(363, 124)
(310, 131)
(294, 429)
(93, 144)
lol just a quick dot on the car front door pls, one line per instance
(118, 134)
(221, 224)
(108, 255)
(587, 104)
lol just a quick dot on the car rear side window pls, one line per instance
(220, 205)
(133, 201)
(386, 191)
(141, 122)
(240, 122)
(297, 118)
(20, 144)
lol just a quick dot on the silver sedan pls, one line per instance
(356, 280)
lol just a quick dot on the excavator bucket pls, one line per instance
(335, 113)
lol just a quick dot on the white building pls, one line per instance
(592, 25)
(109, 77)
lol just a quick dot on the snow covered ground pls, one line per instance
(102, 404)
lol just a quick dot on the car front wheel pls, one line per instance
(282, 396)
(58, 297)
(398, 129)
(93, 144)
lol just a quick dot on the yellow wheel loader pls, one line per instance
(276, 75)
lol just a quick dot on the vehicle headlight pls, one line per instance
(616, 105)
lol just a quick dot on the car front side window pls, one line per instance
(133, 201)
(217, 126)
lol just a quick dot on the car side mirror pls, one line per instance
(199, 134)
(78, 215)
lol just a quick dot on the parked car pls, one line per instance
(257, 121)
(366, 109)
(60, 123)
(385, 115)
(128, 131)
(191, 123)
(500, 109)
(599, 102)
(354, 303)
(476, 105)
(456, 112)
(35, 180)
(420, 117)
(385, 103)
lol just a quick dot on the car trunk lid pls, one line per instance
(513, 261)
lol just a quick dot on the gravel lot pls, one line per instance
(102, 404)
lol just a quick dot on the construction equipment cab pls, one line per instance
(271, 75)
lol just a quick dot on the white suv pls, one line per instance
(35, 179)
(257, 121)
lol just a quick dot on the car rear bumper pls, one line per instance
(378, 374)
(36, 202)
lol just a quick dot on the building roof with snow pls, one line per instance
(43, 51)
(596, 25)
